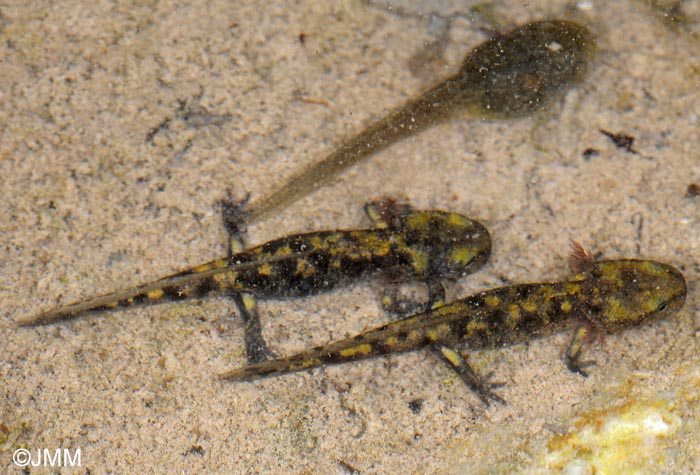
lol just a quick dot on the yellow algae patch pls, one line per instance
(628, 439)
(363, 349)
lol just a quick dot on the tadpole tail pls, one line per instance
(431, 108)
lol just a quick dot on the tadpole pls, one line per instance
(509, 76)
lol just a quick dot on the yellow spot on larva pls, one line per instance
(572, 288)
(615, 311)
(417, 220)
(457, 220)
(265, 269)
(450, 309)
(382, 248)
(375, 216)
(363, 349)
(220, 280)
(202, 268)
(221, 263)
(462, 255)
(432, 334)
(420, 260)
(475, 326)
(248, 301)
(530, 306)
(514, 311)
(304, 364)
(155, 294)
(227, 281)
(331, 239)
(304, 268)
(492, 301)
(443, 329)
(391, 342)
(413, 337)
(283, 251)
(315, 241)
(452, 356)
(566, 306)
(112, 305)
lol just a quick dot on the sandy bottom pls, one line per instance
(123, 124)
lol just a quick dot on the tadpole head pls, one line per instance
(520, 72)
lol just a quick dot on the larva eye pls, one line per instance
(663, 306)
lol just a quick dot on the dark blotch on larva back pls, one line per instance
(518, 73)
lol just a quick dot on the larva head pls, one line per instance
(444, 244)
(622, 293)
